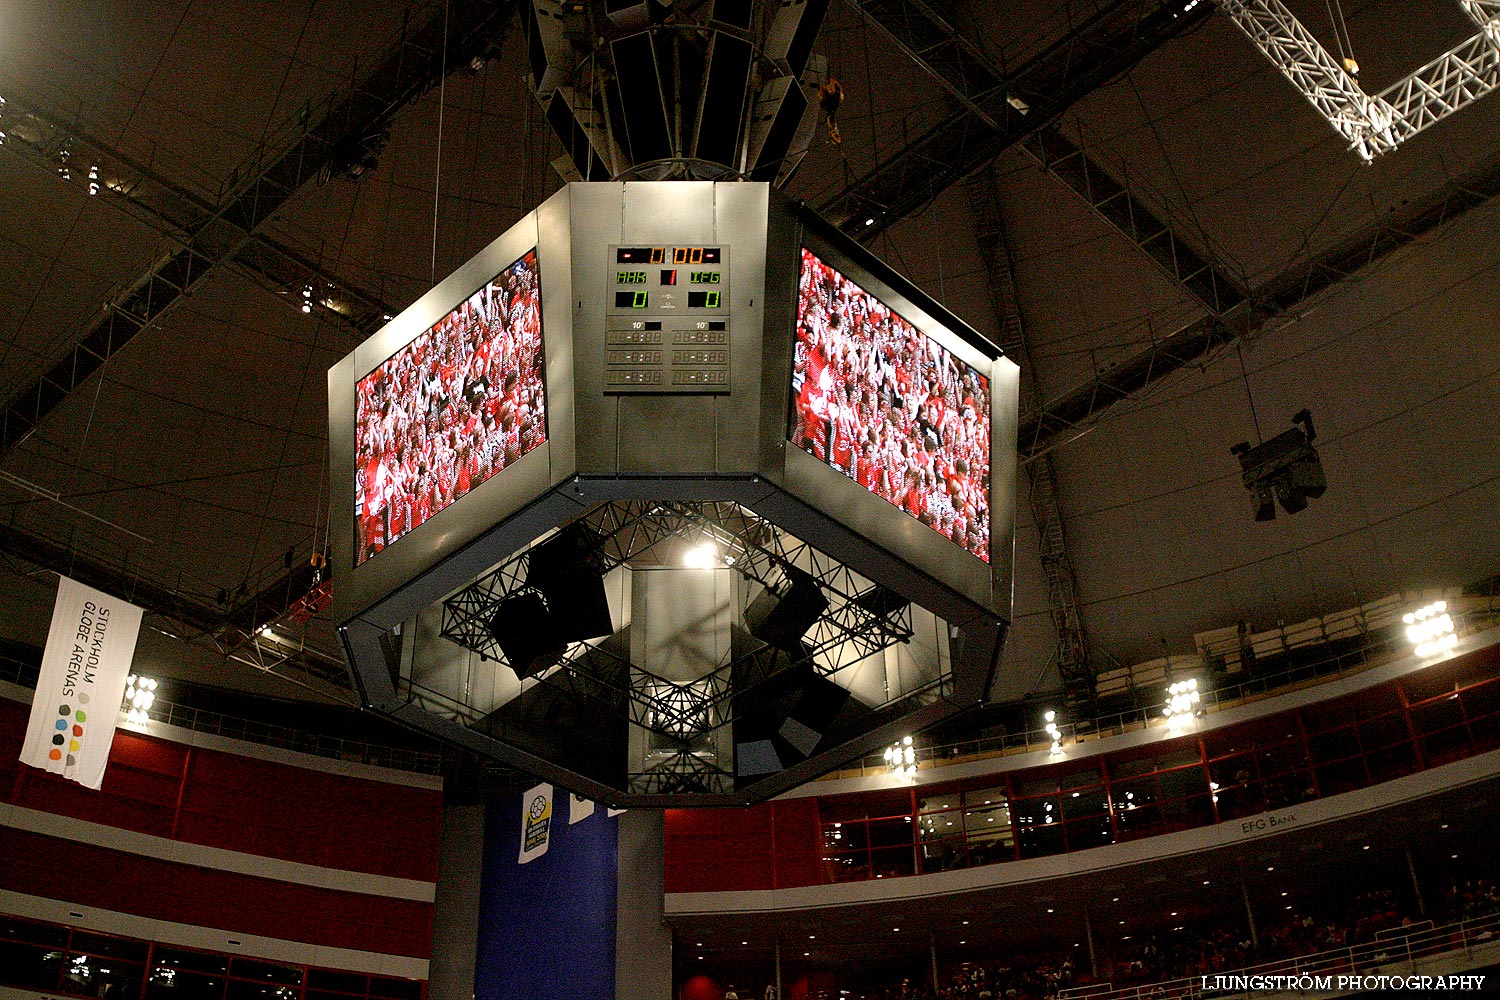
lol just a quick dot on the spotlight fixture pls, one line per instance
(1430, 629)
(901, 757)
(702, 556)
(1050, 718)
(1182, 703)
(93, 180)
(307, 298)
(140, 692)
(1285, 469)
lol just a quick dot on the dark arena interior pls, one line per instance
(749, 499)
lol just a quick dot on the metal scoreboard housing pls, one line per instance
(673, 401)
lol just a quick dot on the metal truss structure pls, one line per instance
(1375, 124)
(1115, 199)
(183, 215)
(994, 115)
(235, 630)
(343, 140)
(971, 79)
(857, 622)
(1073, 665)
(1073, 413)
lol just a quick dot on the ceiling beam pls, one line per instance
(1072, 652)
(969, 76)
(177, 212)
(1073, 413)
(231, 630)
(990, 121)
(341, 140)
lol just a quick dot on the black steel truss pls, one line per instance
(341, 141)
(1069, 415)
(183, 215)
(851, 628)
(1034, 96)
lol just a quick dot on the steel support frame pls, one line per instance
(1374, 124)
(630, 530)
(1076, 411)
(1073, 664)
(338, 141)
(1111, 42)
(179, 213)
(940, 50)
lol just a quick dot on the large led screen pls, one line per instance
(450, 409)
(891, 408)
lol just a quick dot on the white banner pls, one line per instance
(536, 822)
(579, 808)
(84, 669)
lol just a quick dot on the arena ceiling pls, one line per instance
(195, 459)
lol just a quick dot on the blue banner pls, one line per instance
(547, 927)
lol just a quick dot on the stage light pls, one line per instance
(1050, 718)
(1182, 703)
(1430, 629)
(901, 757)
(140, 693)
(93, 180)
(1285, 469)
(703, 556)
(307, 298)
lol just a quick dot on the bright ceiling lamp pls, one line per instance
(703, 556)
(1050, 718)
(140, 692)
(1182, 703)
(901, 757)
(1430, 629)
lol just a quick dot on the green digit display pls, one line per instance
(630, 277)
(705, 277)
(631, 300)
(713, 300)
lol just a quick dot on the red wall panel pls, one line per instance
(219, 799)
(774, 844)
(94, 876)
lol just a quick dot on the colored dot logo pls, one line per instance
(60, 739)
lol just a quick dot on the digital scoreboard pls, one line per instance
(668, 327)
(525, 457)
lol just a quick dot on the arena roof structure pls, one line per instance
(202, 208)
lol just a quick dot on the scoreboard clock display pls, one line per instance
(684, 310)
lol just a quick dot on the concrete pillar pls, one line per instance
(1416, 886)
(643, 942)
(1249, 915)
(455, 910)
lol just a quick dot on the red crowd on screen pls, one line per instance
(452, 408)
(890, 408)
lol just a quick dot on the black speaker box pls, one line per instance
(562, 568)
(527, 633)
(781, 616)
